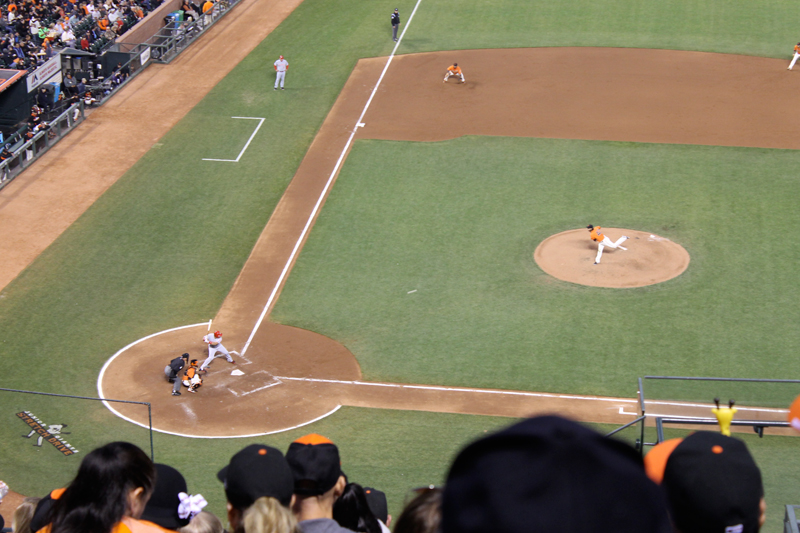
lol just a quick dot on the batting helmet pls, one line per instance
(217, 334)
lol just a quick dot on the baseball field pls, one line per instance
(675, 119)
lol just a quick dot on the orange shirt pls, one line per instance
(208, 6)
(797, 48)
(128, 525)
(454, 69)
(596, 235)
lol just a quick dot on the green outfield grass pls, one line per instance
(483, 314)
(163, 246)
(736, 26)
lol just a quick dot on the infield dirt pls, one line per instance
(577, 93)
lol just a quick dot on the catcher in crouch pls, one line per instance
(191, 378)
(454, 70)
(603, 241)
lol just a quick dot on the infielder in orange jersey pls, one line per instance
(454, 70)
(603, 241)
(796, 55)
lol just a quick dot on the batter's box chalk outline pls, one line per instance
(273, 381)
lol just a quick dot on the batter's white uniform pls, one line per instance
(215, 349)
(280, 66)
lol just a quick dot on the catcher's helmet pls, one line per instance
(217, 334)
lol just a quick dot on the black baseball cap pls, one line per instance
(376, 500)
(162, 507)
(256, 471)
(712, 483)
(315, 464)
(551, 474)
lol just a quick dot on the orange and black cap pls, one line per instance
(712, 483)
(315, 464)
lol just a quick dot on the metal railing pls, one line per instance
(104, 400)
(774, 418)
(790, 519)
(176, 36)
(162, 47)
(24, 155)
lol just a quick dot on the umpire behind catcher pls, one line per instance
(172, 370)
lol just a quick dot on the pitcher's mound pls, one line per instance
(649, 259)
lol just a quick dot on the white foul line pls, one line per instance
(260, 122)
(461, 389)
(325, 189)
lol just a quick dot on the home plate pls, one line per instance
(237, 372)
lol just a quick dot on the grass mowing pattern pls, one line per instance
(458, 221)
(164, 245)
(735, 26)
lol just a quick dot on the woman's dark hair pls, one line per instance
(351, 510)
(423, 514)
(98, 496)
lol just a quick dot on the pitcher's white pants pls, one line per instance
(610, 244)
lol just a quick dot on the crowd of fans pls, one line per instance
(544, 474)
(32, 31)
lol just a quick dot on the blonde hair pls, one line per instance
(203, 522)
(21, 519)
(267, 515)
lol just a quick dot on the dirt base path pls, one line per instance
(48, 197)
(579, 93)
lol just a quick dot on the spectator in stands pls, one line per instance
(318, 483)
(258, 486)
(376, 500)
(551, 474)
(423, 514)
(170, 506)
(712, 483)
(68, 38)
(112, 486)
(88, 99)
(36, 117)
(352, 510)
(43, 100)
(21, 519)
(34, 30)
(189, 11)
(70, 85)
(208, 12)
(204, 522)
(81, 87)
(6, 153)
(103, 22)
